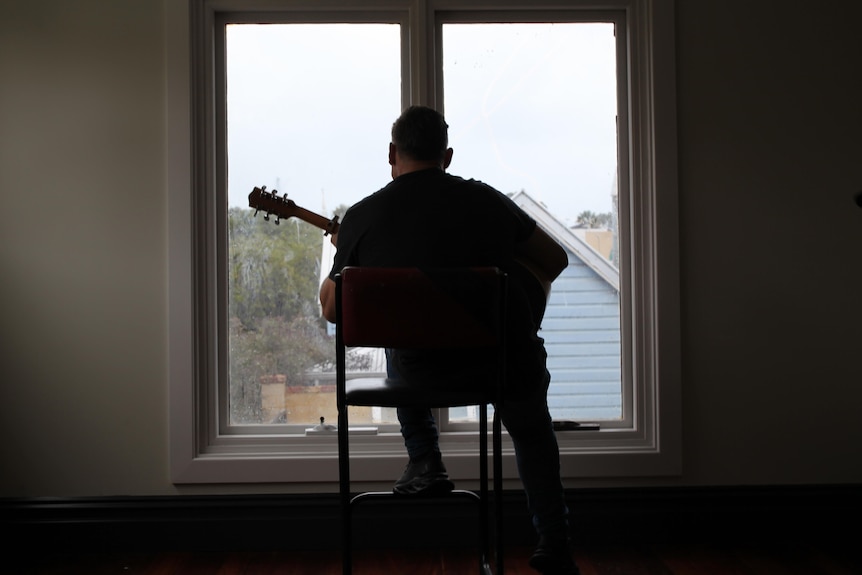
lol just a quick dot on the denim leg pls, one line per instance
(538, 457)
(418, 427)
(419, 431)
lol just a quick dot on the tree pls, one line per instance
(589, 219)
(275, 326)
(276, 347)
(273, 269)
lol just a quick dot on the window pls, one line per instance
(380, 56)
(300, 125)
(533, 109)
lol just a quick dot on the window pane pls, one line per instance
(309, 107)
(532, 110)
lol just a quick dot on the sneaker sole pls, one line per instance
(439, 487)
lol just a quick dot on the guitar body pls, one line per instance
(537, 274)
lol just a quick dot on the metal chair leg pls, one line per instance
(344, 492)
(485, 547)
(498, 491)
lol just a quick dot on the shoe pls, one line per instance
(554, 557)
(424, 476)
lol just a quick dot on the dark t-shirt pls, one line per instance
(432, 219)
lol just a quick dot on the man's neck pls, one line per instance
(416, 166)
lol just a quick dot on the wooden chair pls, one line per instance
(412, 308)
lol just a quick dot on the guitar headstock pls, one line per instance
(271, 204)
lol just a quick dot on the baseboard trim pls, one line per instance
(284, 522)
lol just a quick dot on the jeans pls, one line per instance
(536, 452)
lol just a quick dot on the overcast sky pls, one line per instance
(530, 106)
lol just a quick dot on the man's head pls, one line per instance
(420, 136)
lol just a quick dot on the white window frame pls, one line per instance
(202, 453)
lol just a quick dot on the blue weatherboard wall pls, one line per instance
(582, 335)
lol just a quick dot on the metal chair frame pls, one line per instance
(373, 309)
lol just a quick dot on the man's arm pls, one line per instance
(327, 299)
(327, 290)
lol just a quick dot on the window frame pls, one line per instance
(202, 453)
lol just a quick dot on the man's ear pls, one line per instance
(447, 158)
(392, 154)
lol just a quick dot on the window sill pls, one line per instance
(381, 458)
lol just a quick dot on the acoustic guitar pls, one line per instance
(284, 208)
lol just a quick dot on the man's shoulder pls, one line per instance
(472, 182)
(368, 202)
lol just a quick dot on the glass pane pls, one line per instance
(309, 108)
(532, 110)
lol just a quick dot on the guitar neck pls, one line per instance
(324, 223)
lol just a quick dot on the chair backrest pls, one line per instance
(416, 308)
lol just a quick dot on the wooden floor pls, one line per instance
(714, 559)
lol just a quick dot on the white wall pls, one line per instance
(83, 252)
(769, 133)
